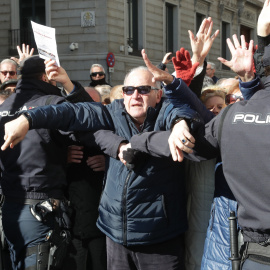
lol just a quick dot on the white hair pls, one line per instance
(213, 65)
(9, 61)
(97, 65)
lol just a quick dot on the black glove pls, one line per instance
(132, 157)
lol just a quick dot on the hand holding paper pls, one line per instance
(58, 74)
(46, 43)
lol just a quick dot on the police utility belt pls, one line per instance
(51, 253)
(258, 252)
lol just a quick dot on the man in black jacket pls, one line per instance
(36, 170)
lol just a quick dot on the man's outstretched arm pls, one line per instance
(65, 116)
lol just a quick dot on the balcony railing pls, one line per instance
(18, 37)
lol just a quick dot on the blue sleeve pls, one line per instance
(248, 89)
(72, 117)
(179, 94)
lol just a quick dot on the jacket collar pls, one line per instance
(37, 85)
(267, 82)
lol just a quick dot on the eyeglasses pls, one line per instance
(231, 98)
(12, 73)
(143, 89)
(94, 74)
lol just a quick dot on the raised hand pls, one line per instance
(158, 74)
(166, 58)
(242, 58)
(23, 53)
(58, 74)
(183, 66)
(263, 25)
(203, 41)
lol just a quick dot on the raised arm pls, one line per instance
(263, 35)
(23, 52)
(65, 116)
(242, 58)
(203, 41)
(263, 25)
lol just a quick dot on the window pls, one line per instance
(171, 27)
(135, 26)
(225, 52)
(30, 10)
(246, 31)
(21, 30)
(199, 19)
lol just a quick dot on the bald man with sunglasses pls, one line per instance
(142, 209)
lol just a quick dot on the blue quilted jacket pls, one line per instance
(141, 206)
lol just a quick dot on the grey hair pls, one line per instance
(9, 61)
(97, 65)
(213, 65)
(158, 84)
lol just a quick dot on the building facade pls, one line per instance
(94, 28)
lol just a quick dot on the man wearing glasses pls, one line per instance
(97, 75)
(8, 70)
(142, 210)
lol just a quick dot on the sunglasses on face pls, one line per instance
(143, 89)
(5, 72)
(231, 98)
(94, 74)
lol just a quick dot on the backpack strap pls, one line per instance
(220, 127)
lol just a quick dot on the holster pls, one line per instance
(42, 253)
(59, 240)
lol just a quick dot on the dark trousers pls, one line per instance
(87, 254)
(22, 230)
(168, 255)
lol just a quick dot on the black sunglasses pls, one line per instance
(5, 72)
(143, 89)
(231, 98)
(94, 74)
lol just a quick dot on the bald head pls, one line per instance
(93, 93)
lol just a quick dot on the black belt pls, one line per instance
(257, 249)
(257, 253)
(22, 200)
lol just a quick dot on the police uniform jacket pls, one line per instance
(35, 168)
(244, 148)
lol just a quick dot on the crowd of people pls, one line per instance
(142, 175)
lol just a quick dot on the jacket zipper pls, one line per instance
(124, 200)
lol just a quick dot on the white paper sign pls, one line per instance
(45, 41)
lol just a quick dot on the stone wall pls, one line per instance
(110, 30)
